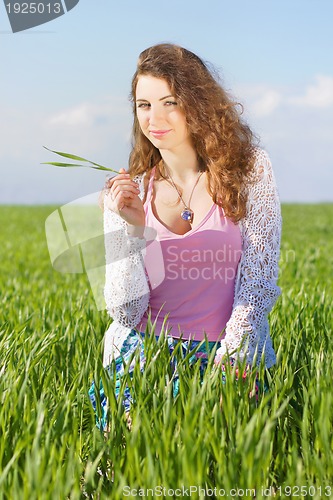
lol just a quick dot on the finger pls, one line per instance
(121, 179)
(112, 180)
(122, 199)
(124, 187)
(123, 204)
(123, 195)
(122, 175)
(124, 182)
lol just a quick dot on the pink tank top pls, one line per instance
(195, 296)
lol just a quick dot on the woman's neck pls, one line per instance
(182, 166)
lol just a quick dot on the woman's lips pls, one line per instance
(159, 133)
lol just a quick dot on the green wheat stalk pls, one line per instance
(90, 164)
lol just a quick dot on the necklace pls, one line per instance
(187, 213)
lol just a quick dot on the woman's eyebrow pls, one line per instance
(166, 97)
(161, 99)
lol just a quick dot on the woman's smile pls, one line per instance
(159, 134)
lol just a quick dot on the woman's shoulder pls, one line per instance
(261, 188)
(261, 159)
(260, 154)
(261, 167)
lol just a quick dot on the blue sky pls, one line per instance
(65, 85)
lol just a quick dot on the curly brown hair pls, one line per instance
(223, 141)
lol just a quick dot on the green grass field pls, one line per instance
(51, 349)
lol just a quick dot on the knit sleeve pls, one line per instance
(126, 288)
(256, 290)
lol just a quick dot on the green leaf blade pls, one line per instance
(94, 165)
(61, 164)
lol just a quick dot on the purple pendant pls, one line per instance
(187, 214)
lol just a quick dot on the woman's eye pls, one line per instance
(143, 105)
(171, 103)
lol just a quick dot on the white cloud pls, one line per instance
(260, 100)
(80, 115)
(267, 103)
(90, 113)
(264, 100)
(317, 95)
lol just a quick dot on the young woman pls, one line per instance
(193, 228)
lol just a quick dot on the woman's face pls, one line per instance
(159, 115)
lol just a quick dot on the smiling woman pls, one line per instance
(198, 182)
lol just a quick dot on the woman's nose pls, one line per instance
(155, 115)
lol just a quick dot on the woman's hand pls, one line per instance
(123, 199)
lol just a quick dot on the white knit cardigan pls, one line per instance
(247, 336)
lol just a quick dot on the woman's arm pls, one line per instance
(256, 289)
(126, 288)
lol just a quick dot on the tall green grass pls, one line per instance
(212, 435)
